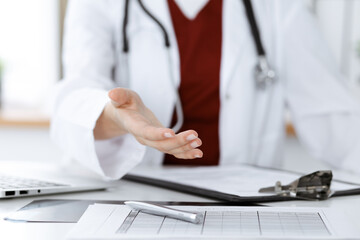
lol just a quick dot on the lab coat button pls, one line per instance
(227, 96)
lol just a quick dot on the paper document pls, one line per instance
(241, 180)
(105, 221)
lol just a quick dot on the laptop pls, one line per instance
(19, 186)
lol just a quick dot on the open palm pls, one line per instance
(131, 115)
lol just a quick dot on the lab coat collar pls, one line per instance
(191, 8)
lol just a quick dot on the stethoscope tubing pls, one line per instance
(264, 74)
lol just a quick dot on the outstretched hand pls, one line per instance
(126, 113)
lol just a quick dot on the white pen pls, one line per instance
(165, 211)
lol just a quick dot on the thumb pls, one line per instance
(119, 96)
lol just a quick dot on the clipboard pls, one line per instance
(202, 192)
(214, 193)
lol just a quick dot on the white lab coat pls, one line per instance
(326, 118)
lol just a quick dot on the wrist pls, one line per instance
(107, 126)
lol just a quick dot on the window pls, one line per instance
(29, 50)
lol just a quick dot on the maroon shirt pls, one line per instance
(199, 43)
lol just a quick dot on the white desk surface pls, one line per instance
(124, 191)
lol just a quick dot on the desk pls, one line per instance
(45, 231)
(22, 117)
(128, 190)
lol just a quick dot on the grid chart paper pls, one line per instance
(229, 223)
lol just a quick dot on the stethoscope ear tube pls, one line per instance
(254, 27)
(166, 35)
(124, 28)
(178, 106)
(264, 75)
(148, 13)
(125, 49)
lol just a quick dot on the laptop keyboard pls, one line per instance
(10, 182)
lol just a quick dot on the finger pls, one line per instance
(187, 147)
(171, 143)
(119, 96)
(192, 154)
(152, 134)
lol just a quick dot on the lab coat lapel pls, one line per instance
(161, 11)
(233, 41)
(162, 105)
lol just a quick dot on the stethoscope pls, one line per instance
(264, 75)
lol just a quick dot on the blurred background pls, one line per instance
(30, 65)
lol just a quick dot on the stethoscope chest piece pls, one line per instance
(264, 75)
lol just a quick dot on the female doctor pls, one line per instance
(198, 83)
